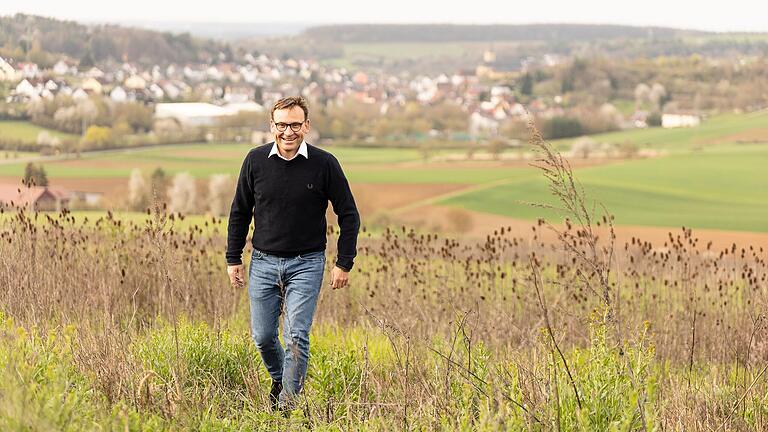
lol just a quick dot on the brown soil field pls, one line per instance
(372, 198)
(105, 185)
(460, 164)
(478, 225)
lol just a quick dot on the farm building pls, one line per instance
(193, 114)
(680, 120)
(43, 198)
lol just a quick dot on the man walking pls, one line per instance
(285, 187)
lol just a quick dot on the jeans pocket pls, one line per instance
(312, 256)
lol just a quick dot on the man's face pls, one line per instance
(289, 140)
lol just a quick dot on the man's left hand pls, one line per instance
(339, 278)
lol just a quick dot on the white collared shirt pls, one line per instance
(302, 151)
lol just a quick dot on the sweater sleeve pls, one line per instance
(240, 214)
(349, 219)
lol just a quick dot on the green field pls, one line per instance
(721, 188)
(27, 132)
(722, 129)
(200, 160)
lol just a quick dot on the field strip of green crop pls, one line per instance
(454, 194)
(201, 160)
(630, 207)
(717, 190)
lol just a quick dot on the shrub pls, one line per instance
(561, 127)
(97, 137)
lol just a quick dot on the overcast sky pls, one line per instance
(733, 15)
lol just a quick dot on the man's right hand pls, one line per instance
(236, 275)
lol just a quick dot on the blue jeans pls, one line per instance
(290, 286)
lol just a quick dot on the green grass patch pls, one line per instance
(200, 160)
(42, 389)
(721, 129)
(28, 132)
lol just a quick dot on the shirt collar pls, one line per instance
(302, 151)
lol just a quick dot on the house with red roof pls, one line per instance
(42, 198)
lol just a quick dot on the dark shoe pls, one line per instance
(274, 394)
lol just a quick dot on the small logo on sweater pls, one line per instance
(310, 186)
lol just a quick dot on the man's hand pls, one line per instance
(339, 278)
(236, 275)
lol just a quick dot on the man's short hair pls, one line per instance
(288, 103)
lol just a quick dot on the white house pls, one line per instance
(157, 91)
(135, 82)
(26, 89)
(171, 90)
(92, 86)
(79, 94)
(680, 120)
(29, 70)
(118, 94)
(94, 72)
(480, 125)
(63, 68)
(7, 72)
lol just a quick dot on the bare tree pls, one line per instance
(138, 192)
(657, 95)
(47, 140)
(182, 193)
(584, 147)
(641, 94)
(220, 191)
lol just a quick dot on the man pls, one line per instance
(285, 187)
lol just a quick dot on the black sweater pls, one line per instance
(287, 201)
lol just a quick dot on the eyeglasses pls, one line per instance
(281, 127)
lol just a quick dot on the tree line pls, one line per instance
(43, 40)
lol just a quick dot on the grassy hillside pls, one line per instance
(721, 129)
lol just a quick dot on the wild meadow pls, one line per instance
(126, 325)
